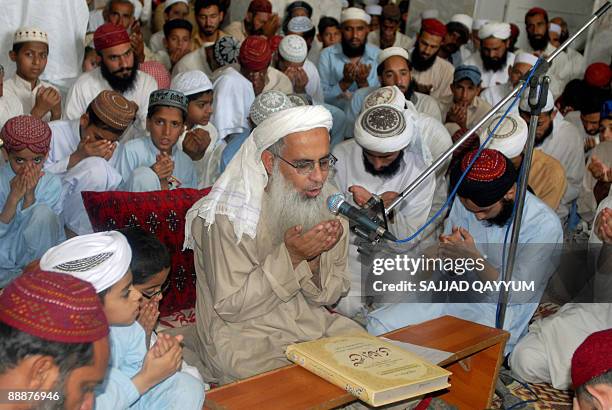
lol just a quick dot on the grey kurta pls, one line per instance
(251, 303)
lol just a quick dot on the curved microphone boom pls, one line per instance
(337, 205)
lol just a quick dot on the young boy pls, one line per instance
(173, 9)
(84, 153)
(201, 140)
(154, 162)
(177, 42)
(30, 200)
(30, 51)
(137, 378)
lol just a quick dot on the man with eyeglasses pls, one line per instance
(384, 157)
(269, 255)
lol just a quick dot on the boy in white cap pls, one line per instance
(375, 11)
(30, 51)
(173, 9)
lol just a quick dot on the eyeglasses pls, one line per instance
(306, 166)
(163, 288)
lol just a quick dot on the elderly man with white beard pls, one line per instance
(385, 156)
(269, 256)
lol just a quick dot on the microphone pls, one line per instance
(338, 205)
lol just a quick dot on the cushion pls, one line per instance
(161, 213)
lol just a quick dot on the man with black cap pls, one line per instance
(388, 35)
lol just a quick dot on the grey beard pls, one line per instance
(285, 207)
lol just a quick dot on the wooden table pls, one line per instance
(477, 356)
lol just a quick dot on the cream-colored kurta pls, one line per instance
(252, 304)
(237, 30)
(440, 77)
(277, 80)
(401, 40)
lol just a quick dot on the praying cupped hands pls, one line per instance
(305, 246)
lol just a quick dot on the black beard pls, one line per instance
(547, 133)
(387, 171)
(419, 63)
(503, 216)
(121, 85)
(538, 43)
(494, 64)
(451, 49)
(351, 51)
(410, 91)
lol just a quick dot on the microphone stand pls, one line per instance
(535, 101)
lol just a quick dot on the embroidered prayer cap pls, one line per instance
(354, 13)
(495, 29)
(293, 48)
(479, 23)
(168, 98)
(255, 53)
(114, 110)
(392, 51)
(374, 10)
(430, 14)
(226, 50)
(191, 82)
(170, 3)
(391, 95)
(434, 27)
(267, 103)
(27, 34)
(158, 71)
(554, 28)
(300, 100)
(110, 35)
(510, 136)
(536, 10)
(384, 128)
(464, 19)
(525, 58)
(53, 306)
(239, 190)
(592, 358)
(299, 5)
(260, 6)
(391, 12)
(467, 72)
(489, 179)
(299, 24)
(101, 259)
(524, 103)
(26, 131)
(598, 75)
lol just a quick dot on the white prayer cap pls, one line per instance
(293, 48)
(495, 29)
(555, 28)
(390, 95)
(430, 14)
(169, 3)
(509, 137)
(137, 8)
(300, 24)
(462, 19)
(384, 128)
(374, 10)
(524, 104)
(268, 103)
(299, 100)
(191, 82)
(355, 13)
(525, 58)
(101, 259)
(479, 23)
(392, 51)
(27, 34)
(238, 191)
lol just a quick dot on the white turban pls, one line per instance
(392, 51)
(430, 14)
(479, 23)
(238, 191)
(525, 58)
(510, 136)
(524, 104)
(374, 10)
(101, 259)
(555, 28)
(384, 128)
(169, 3)
(355, 13)
(464, 19)
(390, 95)
(494, 29)
(293, 48)
(267, 103)
(191, 82)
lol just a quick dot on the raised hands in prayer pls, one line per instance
(91, 147)
(137, 41)
(599, 170)
(458, 114)
(305, 246)
(195, 143)
(48, 99)
(271, 26)
(161, 361)
(298, 78)
(603, 225)
(163, 167)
